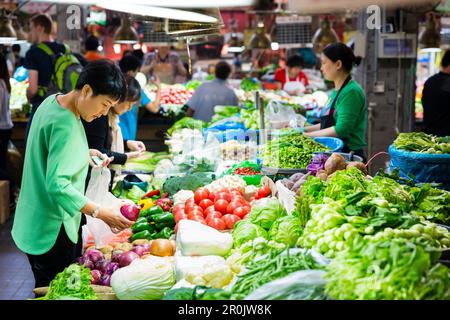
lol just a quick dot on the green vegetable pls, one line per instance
(180, 294)
(146, 234)
(146, 162)
(190, 182)
(193, 84)
(432, 204)
(286, 230)
(245, 231)
(151, 211)
(250, 84)
(73, 283)
(135, 194)
(189, 123)
(197, 293)
(165, 233)
(265, 211)
(422, 142)
(142, 226)
(165, 217)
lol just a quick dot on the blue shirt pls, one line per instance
(128, 120)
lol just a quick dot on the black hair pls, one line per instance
(295, 61)
(129, 63)
(15, 47)
(4, 73)
(446, 59)
(133, 89)
(91, 43)
(138, 53)
(43, 20)
(339, 51)
(223, 70)
(105, 78)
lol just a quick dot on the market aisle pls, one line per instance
(16, 279)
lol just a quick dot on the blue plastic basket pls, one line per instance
(424, 167)
(334, 144)
(233, 134)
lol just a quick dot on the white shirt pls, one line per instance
(5, 114)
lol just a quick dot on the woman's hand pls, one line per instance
(116, 221)
(104, 157)
(133, 155)
(136, 145)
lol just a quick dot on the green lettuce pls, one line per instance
(245, 231)
(286, 230)
(266, 211)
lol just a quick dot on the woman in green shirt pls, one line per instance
(47, 222)
(347, 117)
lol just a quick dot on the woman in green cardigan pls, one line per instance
(47, 222)
(347, 116)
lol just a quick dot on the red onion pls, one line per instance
(94, 255)
(126, 258)
(112, 266)
(105, 280)
(140, 250)
(85, 261)
(96, 275)
(130, 211)
(115, 255)
(102, 265)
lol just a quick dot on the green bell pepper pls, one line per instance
(165, 233)
(152, 211)
(141, 226)
(146, 234)
(166, 217)
(140, 220)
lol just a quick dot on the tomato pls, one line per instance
(223, 195)
(230, 220)
(189, 204)
(241, 212)
(239, 199)
(199, 219)
(233, 205)
(213, 215)
(177, 207)
(195, 212)
(221, 205)
(180, 216)
(209, 210)
(205, 203)
(201, 194)
(212, 196)
(236, 192)
(263, 192)
(217, 223)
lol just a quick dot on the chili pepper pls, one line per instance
(153, 210)
(141, 235)
(152, 193)
(165, 217)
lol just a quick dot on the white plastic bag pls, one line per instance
(279, 115)
(97, 191)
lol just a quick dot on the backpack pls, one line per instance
(66, 70)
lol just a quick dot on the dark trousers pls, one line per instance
(46, 266)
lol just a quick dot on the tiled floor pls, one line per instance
(16, 278)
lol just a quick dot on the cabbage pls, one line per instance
(286, 230)
(245, 231)
(146, 279)
(266, 211)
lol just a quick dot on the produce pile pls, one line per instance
(423, 143)
(146, 162)
(175, 94)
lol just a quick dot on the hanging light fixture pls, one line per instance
(126, 34)
(259, 39)
(7, 33)
(430, 38)
(324, 36)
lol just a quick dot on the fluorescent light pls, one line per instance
(7, 40)
(164, 3)
(158, 12)
(236, 49)
(431, 50)
(275, 46)
(117, 48)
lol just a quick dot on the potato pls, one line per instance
(334, 163)
(361, 166)
(125, 246)
(322, 175)
(106, 249)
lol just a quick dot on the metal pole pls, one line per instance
(259, 104)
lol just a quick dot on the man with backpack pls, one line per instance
(51, 66)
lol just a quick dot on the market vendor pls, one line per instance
(166, 65)
(104, 133)
(130, 66)
(212, 93)
(292, 79)
(347, 117)
(52, 205)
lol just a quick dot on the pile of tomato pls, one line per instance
(220, 209)
(178, 95)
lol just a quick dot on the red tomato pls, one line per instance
(223, 195)
(201, 194)
(212, 196)
(189, 204)
(217, 223)
(241, 212)
(239, 199)
(221, 205)
(263, 192)
(236, 192)
(230, 220)
(213, 215)
(209, 210)
(199, 219)
(233, 205)
(206, 203)
(180, 216)
(178, 207)
(194, 208)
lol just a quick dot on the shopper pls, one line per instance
(166, 65)
(436, 100)
(347, 116)
(18, 60)
(130, 66)
(6, 123)
(292, 79)
(38, 62)
(211, 94)
(104, 133)
(91, 46)
(51, 206)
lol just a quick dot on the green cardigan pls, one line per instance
(54, 175)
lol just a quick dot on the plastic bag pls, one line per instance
(300, 285)
(279, 115)
(97, 191)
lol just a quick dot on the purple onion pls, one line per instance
(96, 275)
(105, 280)
(112, 266)
(115, 255)
(140, 250)
(126, 258)
(130, 211)
(102, 265)
(94, 255)
(85, 261)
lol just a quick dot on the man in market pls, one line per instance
(211, 94)
(436, 100)
(38, 62)
(91, 46)
(291, 79)
(166, 65)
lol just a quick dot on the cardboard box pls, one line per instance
(4, 201)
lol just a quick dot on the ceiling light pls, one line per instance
(117, 48)
(259, 39)
(275, 46)
(126, 34)
(7, 33)
(430, 38)
(324, 36)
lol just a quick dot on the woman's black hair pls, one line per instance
(446, 59)
(133, 89)
(129, 63)
(339, 51)
(105, 78)
(4, 73)
(223, 70)
(295, 61)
